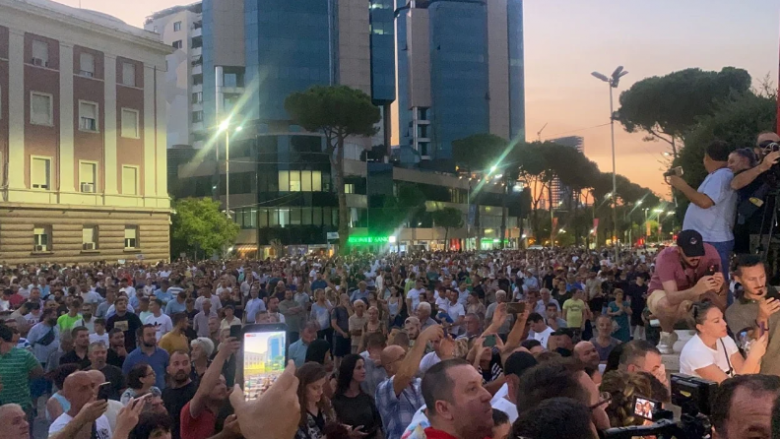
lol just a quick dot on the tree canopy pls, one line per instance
(199, 226)
(337, 112)
(667, 107)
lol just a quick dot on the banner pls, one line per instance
(555, 225)
(595, 226)
(647, 227)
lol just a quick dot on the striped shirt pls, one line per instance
(15, 368)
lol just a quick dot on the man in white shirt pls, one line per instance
(162, 323)
(413, 296)
(80, 391)
(455, 311)
(539, 329)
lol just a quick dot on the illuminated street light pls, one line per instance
(562, 231)
(493, 169)
(224, 125)
(658, 210)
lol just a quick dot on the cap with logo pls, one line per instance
(691, 243)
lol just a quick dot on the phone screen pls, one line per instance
(265, 348)
(644, 408)
(490, 341)
(104, 391)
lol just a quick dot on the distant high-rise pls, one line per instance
(460, 73)
(562, 194)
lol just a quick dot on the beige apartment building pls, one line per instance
(82, 137)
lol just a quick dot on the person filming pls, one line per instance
(750, 168)
(713, 204)
(683, 275)
(713, 355)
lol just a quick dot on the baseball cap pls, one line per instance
(691, 243)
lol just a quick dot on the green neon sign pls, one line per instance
(368, 240)
(493, 241)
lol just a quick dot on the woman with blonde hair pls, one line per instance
(623, 388)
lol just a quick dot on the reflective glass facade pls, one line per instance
(288, 49)
(459, 73)
(516, 69)
(382, 51)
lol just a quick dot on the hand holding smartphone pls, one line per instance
(264, 350)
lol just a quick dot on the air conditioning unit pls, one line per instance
(89, 246)
(40, 248)
(88, 187)
(39, 62)
(86, 73)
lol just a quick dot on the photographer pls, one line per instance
(756, 306)
(713, 204)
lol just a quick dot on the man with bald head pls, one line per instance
(86, 417)
(400, 395)
(586, 352)
(14, 422)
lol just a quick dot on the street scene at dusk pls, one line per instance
(426, 219)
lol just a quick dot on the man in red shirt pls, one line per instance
(199, 416)
(458, 405)
(684, 274)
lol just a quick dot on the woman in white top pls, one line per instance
(711, 354)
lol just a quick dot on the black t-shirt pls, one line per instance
(115, 359)
(114, 375)
(72, 357)
(638, 302)
(175, 400)
(360, 410)
(128, 323)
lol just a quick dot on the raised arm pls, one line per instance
(411, 363)
(211, 377)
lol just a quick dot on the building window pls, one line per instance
(87, 173)
(177, 44)
(177, 26)
(42, 236)
(197, 98)
(128, 74)
(40, 174)
(87, 64)
(131, 237)
(197, 42)
(284, 181)
(349, 188)
(130, 124)
(300, 181)
(197, 116)
(423, 148)
(40, 53)
(41, 109)
(89, 236)
(129, 180)
(295, 181)
(197, 79)
(88, 114)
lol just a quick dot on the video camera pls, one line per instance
(693, 395)
(768, 146)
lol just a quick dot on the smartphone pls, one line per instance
(515, 307)
(104, 391)
(644, 408)
(490, 341)
(235, 332)
(712, 269)
(265, 356)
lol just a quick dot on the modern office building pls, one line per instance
(82, 137)
(460, 72)
(562, 195)
(181, 27)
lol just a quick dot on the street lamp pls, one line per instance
(225, 126)
(613, 82)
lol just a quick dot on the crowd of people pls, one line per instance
(552, 343)
(473, 345)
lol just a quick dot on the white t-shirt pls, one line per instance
(162, 324)
(543, 336)
(696, 355)
(414, 294)
(102, 426)
(507, 407)
(94, 338)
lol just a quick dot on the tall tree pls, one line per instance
(448, 218)
(199, 226)
(667, 107)
(337, 112)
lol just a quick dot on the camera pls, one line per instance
(677, 170)
(693, 395)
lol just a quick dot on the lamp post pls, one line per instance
(225, 126)
(613, 82)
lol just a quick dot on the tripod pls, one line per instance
(765, 244)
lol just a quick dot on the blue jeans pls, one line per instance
(724, 249)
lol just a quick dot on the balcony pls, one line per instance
(196, 51)
(197, 69)
(197, 31)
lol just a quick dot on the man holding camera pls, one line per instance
(713, 205)
(684, 274)
(756, 309)
(751, 183)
